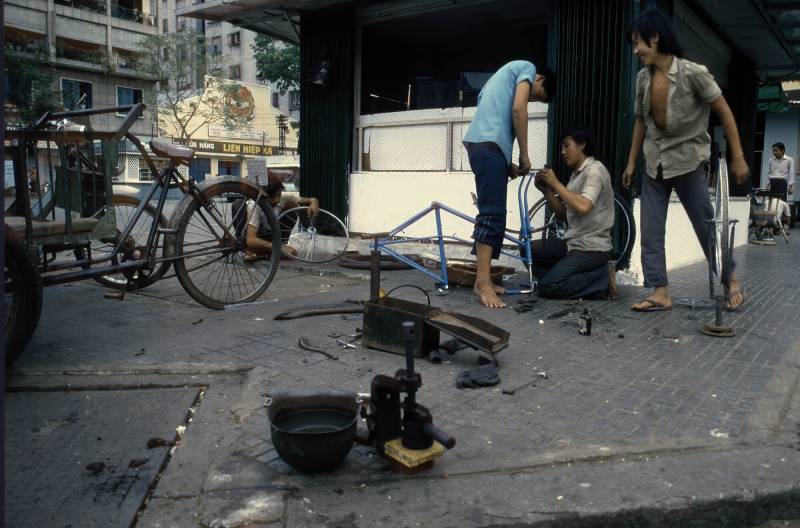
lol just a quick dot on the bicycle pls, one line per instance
(720, 263)
(204, 240)
(551, 228)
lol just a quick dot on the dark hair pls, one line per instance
(779, 145)
(549, 83)
(654, 22)
(274, 188)
(581, 134)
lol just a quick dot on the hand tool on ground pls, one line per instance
(306, 345)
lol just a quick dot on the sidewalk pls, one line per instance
(644, 423)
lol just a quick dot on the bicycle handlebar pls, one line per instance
(132, 114)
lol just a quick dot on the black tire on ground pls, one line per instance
(23, 298)
(222, 276)
(124, 207)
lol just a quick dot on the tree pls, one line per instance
(192, 92)
(278, 62)
(32, 89)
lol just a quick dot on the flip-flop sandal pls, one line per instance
(653, 307)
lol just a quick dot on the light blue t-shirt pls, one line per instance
(493, 119)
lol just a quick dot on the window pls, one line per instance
(228, 168)
(236, 71)
(276, 99)
(216, 45)
(74, 91)
(235, 39)
(165, 26)
(145, 175)
(180, 23)
(128, 96)
(294, 100)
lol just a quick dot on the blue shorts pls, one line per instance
(491, 183)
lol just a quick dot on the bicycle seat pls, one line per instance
(165, 149)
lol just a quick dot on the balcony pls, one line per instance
(32, 47)
(85, 5)
(131, 63)
(133, 15)
(72, 52)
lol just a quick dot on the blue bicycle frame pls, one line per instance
(523, 242)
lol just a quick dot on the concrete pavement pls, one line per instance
(644, 423)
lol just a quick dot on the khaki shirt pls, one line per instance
(591, 232)
(685, 144)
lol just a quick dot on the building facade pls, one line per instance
(236, 44)
(247, 149)
(93, 46)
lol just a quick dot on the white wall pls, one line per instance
(783, 128)
(682, 247)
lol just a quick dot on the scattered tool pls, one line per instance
(513, 390)
(404, 432)
(345, 344)
(306, 345)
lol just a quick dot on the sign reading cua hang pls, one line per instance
(224, 147)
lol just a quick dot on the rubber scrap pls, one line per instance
(483, 376)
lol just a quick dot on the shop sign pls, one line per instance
(223, 147)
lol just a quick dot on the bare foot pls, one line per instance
(487, 295)
(736, 295)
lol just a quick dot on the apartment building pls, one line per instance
(93, 45)
(236, 44)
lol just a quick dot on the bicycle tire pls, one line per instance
(306, 232)
(23, 298)
(624, 229)
(721, 251)
(213, 279)
(125, 206)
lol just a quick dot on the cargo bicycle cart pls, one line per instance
(62, 222)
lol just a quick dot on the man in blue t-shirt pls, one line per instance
(501, 116)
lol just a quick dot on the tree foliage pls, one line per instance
(278, 62)
(32, 89)
(192, 89)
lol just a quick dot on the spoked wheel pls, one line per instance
(548, 226)
(721, 251)
(316, 240)
(216, 269)
(22, 298)
(124, 209)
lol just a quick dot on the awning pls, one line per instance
(772, 98)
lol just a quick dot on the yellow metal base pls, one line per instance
(412, 458)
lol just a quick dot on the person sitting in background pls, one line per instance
(258, 236)
(577, 267)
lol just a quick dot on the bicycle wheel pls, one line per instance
(546, 222)
(22, 298)
(623, 233)
(317, 239)
(124, 209)
(214, 269)
(720, 254)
